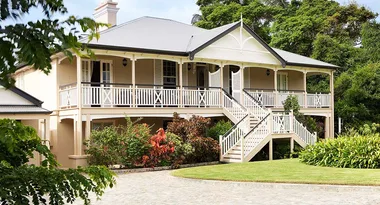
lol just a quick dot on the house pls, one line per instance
(21, 106)
(152, 67)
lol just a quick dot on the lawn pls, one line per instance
(282, 171)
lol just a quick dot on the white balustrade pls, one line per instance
(300, 130)
(265, 98)
(233, 107)
(157, 96)
(318, 100)
(68, 96)
(254, 108)
(282, 123)
(197, 97)
(277, 99)
(256, 136)
(234, 136)
(283, 95)
(106, 95)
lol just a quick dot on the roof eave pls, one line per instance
(141, 50)
(312, 65)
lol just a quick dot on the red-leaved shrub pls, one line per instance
(160, 151)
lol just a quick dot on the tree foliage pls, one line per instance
(25, 184)
(256, 14)
(358, 95)
(33, 43)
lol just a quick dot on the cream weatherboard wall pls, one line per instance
(40, 85)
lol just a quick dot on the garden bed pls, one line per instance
(123, 171)
(283, 171)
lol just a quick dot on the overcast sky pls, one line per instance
(180, 10)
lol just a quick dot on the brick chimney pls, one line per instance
(106, 12)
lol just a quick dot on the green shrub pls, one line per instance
(123, 145)
(348, 151)
(182, 149)
(218, 129)
(193, 132)
(206, 149)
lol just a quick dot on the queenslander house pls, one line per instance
(152, 67)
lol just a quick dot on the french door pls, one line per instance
(282, 82)
(97, 75)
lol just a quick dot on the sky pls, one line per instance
(180, 10)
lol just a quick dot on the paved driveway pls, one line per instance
(162, 188)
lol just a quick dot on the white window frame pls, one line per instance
(280, 81)
(166, 76)
(90, 68)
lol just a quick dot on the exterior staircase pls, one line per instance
(254, 126)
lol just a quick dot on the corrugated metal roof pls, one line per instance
(11, 109)
(164, 35)
(299, 59)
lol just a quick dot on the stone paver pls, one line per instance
(162, 188)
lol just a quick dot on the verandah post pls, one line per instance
(133, 81)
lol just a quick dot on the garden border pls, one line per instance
(151, 169)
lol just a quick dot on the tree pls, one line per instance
(256, 14)
(24, 184)
(371, 40)
(296, 29)
(34, 42)
(358, 95)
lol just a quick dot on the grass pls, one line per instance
(282, 171)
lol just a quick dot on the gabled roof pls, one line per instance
(31, 106)
(164, 36)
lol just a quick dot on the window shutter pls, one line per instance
(185, 72)
(158, 78)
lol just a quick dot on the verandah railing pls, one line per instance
(142, 95)
(272, 98)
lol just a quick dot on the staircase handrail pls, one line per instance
(233, 99)
(262, 111)
(233, 127)
(258, 124)
(308, 137)
(254, 99)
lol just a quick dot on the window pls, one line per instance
(170, 74)
(282, 81)
(86, 72)
(106, 73)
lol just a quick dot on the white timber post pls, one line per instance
(275, 88)
(242, 148)
(291, 118)
(221, 85)
(133, 81)
(305, 88)
(291, 145)
(332, 104)
(180, 84)
(221, 148)
(270, 121)
(47, 131)
(78, 136)
(88, 127)
(241, 84)
(327, 127)
(271, 149)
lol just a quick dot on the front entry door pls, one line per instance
(100, 78)
(106, 83)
